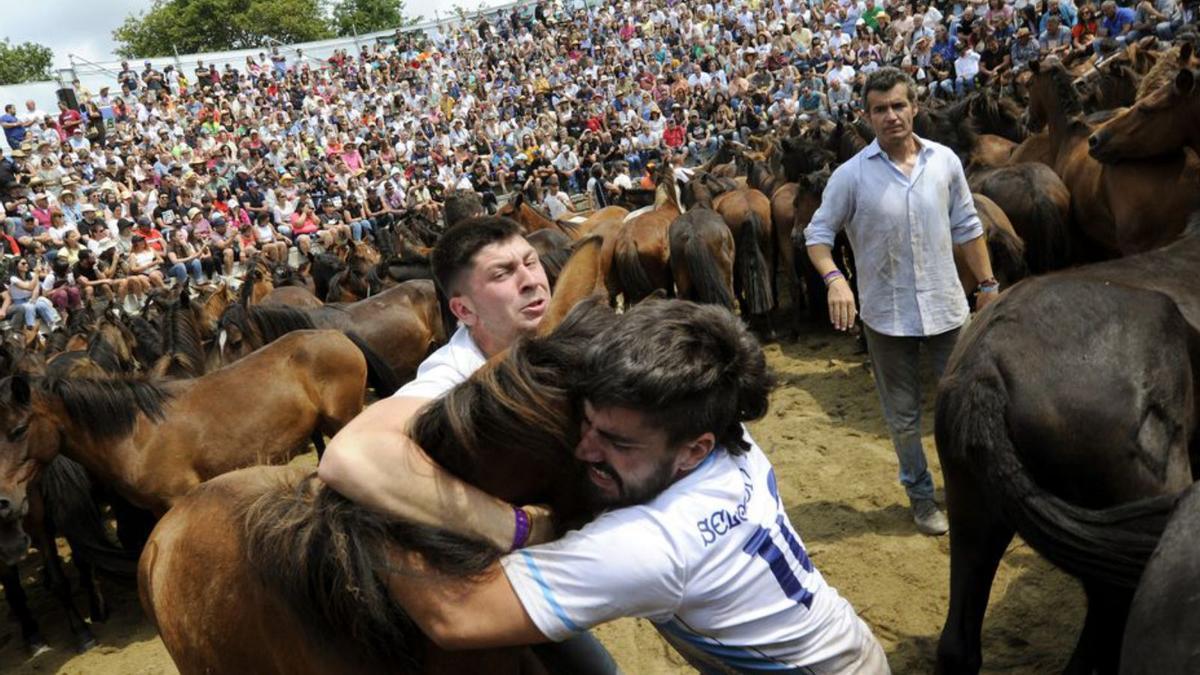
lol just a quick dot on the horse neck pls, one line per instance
(1058, 122)
(112, 460)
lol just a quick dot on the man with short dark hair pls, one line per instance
(906, 206)
(495, 286)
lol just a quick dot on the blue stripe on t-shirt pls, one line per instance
(741, 659)
(549, 594)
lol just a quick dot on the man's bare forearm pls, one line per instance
(374, 462)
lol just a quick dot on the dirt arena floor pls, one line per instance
(837, 472)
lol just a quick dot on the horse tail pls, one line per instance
(380, 375)
(327, 558)
(1057, 250)
(627, 265)
(67, 492)
(754, 274)
(704, 270)
(1110, 545)
(1007, 251)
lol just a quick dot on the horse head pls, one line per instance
(1159, 124)
(27, 446)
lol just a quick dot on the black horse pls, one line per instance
(1068, 413)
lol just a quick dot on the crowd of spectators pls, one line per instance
(166, 174)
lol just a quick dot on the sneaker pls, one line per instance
(929, 518)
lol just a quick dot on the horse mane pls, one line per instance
(949, 126)
(103, 354)
(328, 558)
(146, 337)
(107, 408)
(991, 112)
(181, 338)
(1064, 88)
(1161, 73)
(268, 323)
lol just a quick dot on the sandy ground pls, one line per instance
(837, 471)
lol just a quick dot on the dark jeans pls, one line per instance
(896, 362)
(580, 655)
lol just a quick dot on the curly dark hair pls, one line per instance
(691, 368)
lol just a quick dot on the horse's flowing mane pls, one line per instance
(268, 323)
(181, 337)
(107, 408)
(327, 558)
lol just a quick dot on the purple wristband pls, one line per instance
(831, 276)
(521, 534)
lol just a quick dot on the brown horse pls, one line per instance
(402, 325)
(1156, 126)
(1124, 208)
(1005, 249)
(304, 573)
(353, 282)
(291, 296)
(154, 442)
(702, 257)
(641, 248)
(747, 212)
(1038, 205)
(534, 219)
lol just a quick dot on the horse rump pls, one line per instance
(627, 266)
(1110, 545)
(703, 266)
(752, 268)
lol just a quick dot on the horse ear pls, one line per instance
(581, 276)
(1185, 54)
(19, 385)
(1185, 81)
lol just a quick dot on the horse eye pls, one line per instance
(18, 432)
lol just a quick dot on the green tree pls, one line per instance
(25, 62)
(365, 16)
(190, 26)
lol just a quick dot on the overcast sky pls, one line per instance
(84, 27)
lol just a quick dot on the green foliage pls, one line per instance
(190, 26)
(25, 62)
(365, 16)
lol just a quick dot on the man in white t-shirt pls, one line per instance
(695, 537)
(498, 291)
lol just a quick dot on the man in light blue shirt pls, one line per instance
(905, 206)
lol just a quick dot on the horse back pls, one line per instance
(211, 609)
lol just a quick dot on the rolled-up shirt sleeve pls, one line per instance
(964, 221)
(837, 207)
(614, 567)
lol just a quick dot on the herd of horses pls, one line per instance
(1067, 413)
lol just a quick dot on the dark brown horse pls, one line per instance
(304, 572)
(154, 442)
(1123, 208)
(402, 325)
(1057, 420)
(553, 248)
(702, 257)
(1038, 205)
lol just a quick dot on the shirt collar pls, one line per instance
(873, 150)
